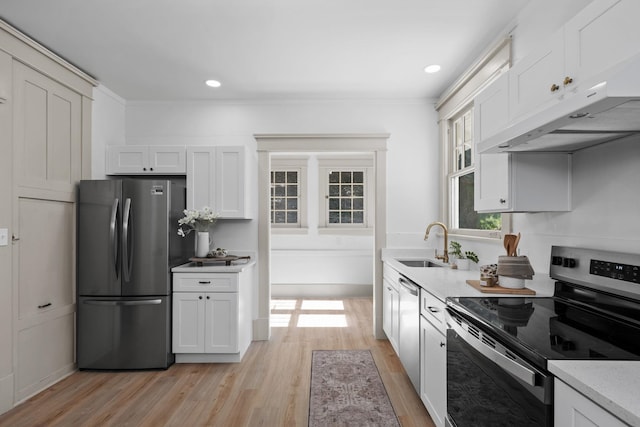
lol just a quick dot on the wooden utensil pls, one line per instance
(509, 240)
(514, 249)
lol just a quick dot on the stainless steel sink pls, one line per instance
(418, 263)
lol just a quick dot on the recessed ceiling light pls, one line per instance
(212, 83)
(432, 68)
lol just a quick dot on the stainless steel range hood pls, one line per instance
(602, 109)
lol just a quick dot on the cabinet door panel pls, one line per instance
(601, 35)
(221, 323)
(201, 179)
(123, 160)
(433, 372)
(491, 109)
(48, 131)
(45, 352)
(492, 183)
(230, 174)
(167, 160)
(188, 322)
(572, 409)
(530, 80)
(45, 227)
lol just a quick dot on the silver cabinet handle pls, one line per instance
(433, 309)
(202, 282)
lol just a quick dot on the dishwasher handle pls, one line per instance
(411, 287)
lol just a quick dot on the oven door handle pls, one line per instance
(514, 368)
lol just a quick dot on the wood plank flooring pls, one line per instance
(270, 387)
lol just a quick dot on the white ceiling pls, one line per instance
(166, 49)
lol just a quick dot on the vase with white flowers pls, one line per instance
(200, 221)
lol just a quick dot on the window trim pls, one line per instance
(300, 165)
(451, 173)
(346, 163)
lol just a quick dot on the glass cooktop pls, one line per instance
(551, 328)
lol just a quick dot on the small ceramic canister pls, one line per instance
(489, 275)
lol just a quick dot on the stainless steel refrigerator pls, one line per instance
(127, 245)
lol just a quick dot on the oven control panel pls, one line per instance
(614, 270)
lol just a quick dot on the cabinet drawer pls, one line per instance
(390, 274)
(203, 282)
(432, 309)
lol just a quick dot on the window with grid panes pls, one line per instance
(285, 197)
(461, 179)
(346, 198)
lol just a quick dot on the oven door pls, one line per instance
(488, 385)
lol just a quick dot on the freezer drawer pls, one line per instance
(124, 333)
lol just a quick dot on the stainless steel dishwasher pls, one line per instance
(409, 336)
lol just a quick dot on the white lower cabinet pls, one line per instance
(212, 319)
(433, 358)
(573, 409)
(391, 306)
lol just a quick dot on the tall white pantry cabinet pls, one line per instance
(45, 127)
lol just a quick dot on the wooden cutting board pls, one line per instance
(499, 289)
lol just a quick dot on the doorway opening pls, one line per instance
(343, 145)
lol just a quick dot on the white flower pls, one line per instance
(199, 220)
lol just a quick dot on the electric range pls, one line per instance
(502, 345)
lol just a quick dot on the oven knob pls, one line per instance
(556, 260)
(569, 263)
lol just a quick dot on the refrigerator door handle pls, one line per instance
(123, 303)
(128, 245)
(112, 235)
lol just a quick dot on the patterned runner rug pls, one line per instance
(346, 390)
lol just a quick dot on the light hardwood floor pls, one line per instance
(270, 387)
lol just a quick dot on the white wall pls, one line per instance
(412, 158)
(108, 127)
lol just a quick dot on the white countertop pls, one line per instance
(235, 267)
(445, 282)
(611, 384)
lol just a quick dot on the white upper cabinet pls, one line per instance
(537, 79)
(600, 36)
(604, 33)
(510, 182)
(217, 177)
(523, 182)
(491, 109)
(146, 160)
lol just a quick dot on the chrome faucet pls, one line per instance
(445, 256)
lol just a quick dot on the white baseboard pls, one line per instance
(324, 290)
(6, 393)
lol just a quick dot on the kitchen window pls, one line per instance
(462, 215)
(455, 112)
(288, 193)
(345, 193)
